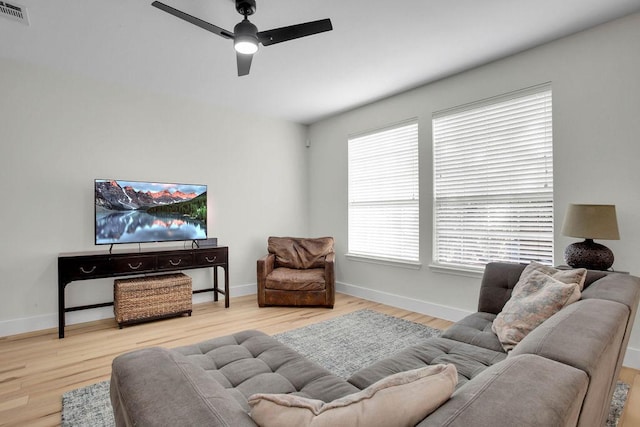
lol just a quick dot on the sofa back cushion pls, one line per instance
(498, 281)
(300, 253)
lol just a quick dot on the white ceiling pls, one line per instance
(377, 47)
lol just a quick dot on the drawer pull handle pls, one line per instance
(88, 271)
(211, 259)
(135, 267)
(175, 263)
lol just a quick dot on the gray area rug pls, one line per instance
(342, 345)
(348, 343)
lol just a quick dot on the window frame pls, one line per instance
(398, 201)
(459, 265)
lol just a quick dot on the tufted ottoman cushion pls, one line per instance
(468, 359)
(252, 362)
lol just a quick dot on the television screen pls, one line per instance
(139, 212)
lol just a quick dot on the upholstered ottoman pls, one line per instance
(222, 373)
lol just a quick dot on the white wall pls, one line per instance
(596, 120)
(60, 132)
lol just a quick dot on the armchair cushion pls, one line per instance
(300, 253)
(289, 279)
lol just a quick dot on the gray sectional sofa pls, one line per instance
(563, 373)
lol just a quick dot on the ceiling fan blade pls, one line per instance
(291, 32)
(244, 63)
(193, 20)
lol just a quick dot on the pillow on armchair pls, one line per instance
(300, 253)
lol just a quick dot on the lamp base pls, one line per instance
(589, 255)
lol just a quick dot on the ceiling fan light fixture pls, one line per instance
(245, 37)
(246, 45)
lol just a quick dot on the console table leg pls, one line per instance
(215, 283)
(226, 286)
(61, 287)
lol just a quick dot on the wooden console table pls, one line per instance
(101, 264)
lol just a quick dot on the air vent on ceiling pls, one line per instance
(14, 11)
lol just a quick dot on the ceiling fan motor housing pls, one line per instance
(246, 7)
(246, 28)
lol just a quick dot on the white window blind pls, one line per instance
(493, 181)
(383, 194)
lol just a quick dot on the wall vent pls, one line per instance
(14, 11)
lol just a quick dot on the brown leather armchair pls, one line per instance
(297, 272)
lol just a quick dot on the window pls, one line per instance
(493, 181)
(383, 194)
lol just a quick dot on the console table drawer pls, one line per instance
(212, 257)
(175, 261)
(80, 268)
(134, 264)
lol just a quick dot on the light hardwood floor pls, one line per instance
(37, 368)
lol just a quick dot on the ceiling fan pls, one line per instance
(246, 36)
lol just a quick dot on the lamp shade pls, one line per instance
(591, 222)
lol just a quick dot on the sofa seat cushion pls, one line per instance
(252, 362)
(475, 329)
(418, 392)
(469, 360)
(289, 279)
(300, 253)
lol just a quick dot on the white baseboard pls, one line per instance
(48, 321)
(632, 358)
(423, 307)
(244, 290)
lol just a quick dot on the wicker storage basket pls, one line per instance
(152, 297)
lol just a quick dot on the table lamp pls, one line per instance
(590, 222)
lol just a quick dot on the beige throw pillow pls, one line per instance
(540, 292)
(402, 399)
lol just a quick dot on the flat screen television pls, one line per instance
(142, 212)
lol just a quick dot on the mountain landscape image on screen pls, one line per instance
(137, 212)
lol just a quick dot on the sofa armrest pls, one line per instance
(588, 335)
(525, 390)
(330, 277)
(157, 386)
(265, 266)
